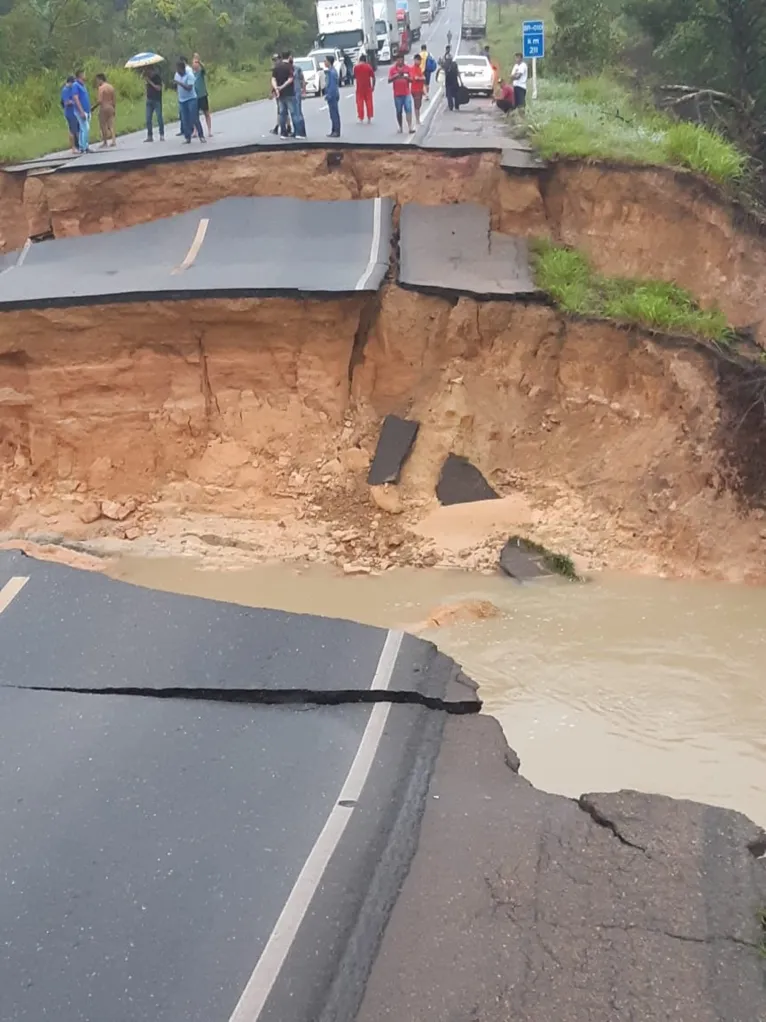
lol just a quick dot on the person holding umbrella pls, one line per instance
(147, 63)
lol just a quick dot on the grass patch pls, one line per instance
(43, 129)
(556, 564)
(567, 276)
(597, 118)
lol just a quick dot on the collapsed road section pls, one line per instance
(217, 854)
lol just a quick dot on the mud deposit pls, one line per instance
(251, 424)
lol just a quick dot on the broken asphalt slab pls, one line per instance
(394, 445)
(150, 846)
(452, 249)
(620, 907)
(74, 630)
(460, 482)
(225, 249)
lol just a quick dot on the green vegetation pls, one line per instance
(589, 105)
(43, 130)
(597, 118)
(41, 41)
(556, 564)
(571, 281)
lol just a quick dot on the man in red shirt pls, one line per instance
(417, 85)
(401, 76)
(505, 101)
(364, 77)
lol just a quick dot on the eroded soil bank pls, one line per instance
(633, 221)
(251, 423)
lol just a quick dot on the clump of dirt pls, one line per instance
(246, 428)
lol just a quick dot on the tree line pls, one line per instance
(43, 37)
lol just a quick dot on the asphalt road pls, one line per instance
(224, 249)
(204, 856)
(250, 124)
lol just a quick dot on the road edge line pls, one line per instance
(11, 590)
(377, 218)
(266, 972)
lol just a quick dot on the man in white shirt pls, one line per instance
(519, 75)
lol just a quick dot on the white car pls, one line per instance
(313, 74)
(340, 67)
(476, 73)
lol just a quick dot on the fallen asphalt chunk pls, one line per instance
(395, 442)
(460, 482)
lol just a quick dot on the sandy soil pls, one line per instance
(247, 434)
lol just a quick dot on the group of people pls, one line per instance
(190, 81)
(410, 84)
(76, 105)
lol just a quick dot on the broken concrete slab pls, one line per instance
(395, 442)
(620, 907)
(521, 563)
(460, 482)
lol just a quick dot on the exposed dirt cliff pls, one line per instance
(618, 447)
(647, 222)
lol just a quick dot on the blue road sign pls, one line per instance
(533, 39)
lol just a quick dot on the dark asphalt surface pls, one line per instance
(452, 249)
(166, 859)
(148, 846)
(106, 635)
(624, 907)
(234, 247)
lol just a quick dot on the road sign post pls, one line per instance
(533, 46)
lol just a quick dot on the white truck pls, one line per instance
(348, 26)
(474, 19)
(386, 30)
(427, 11)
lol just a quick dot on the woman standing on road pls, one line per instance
(200, 87)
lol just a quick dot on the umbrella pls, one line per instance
(144, 60)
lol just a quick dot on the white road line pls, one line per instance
(11, 590)
(434, 102)
(23, 253)
(268, 967)
(195, 246)
(22, 256)
(377, 216)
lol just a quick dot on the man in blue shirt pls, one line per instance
(81, 102)
(67, 105)
(332, 96)
(188, 106)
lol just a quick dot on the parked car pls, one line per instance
(340, 67)
(313, 73)
(476, 73)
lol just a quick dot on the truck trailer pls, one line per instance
(386, 30)
(347, 25)
(410, 11)
(474, 19)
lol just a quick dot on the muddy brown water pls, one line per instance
(620, 683)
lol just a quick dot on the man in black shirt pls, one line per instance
(153, 103)
(283, 86)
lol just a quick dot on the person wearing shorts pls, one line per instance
(200, 87)
(417, 86)
(106, 102)
(400, 77)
